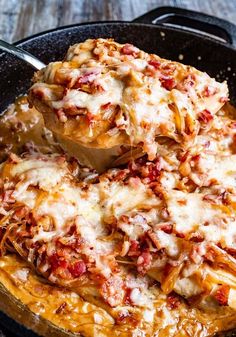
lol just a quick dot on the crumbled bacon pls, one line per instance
(77, 269)
(61, 308)
(168, 83)
(120, 175)
(197, 237)
(154, 63)
(222, 294)
(154, 239)
(209, 91)
(86, 78)
(57, 262)
(184, 157)
(106, 106)
(134, 182)
(20, 212)
(144, 262)
(173, 301)
(129, 49)
(134, 249)
(180, 235)
(89, 118)
(205, 116)
(151, 170)
(7, 197)
(167, 228)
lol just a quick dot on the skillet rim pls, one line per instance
(206, 38)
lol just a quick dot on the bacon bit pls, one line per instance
(180, 235)
(197, 157)
(154, 239)
(144, 262)
(205, 116)
(113, 291)
(61, 308)
(167, 228)
(89, 118)
(184, 157)
(182, 202)
(231, 251)
(121, 175)
(222, 294)
(223, 99)
(168, 83)
(124, 218)
(129, 49)
(7, 197)
(210, 255)
(57, 262)
(168, 68)
(154, 63)
(98, 88)
(86, 78)
(196, 237)
(134, 182)
(20, 212)
(106, 106)
(134, 249)
(151, 170)
(61, 115)
(77, 269)
(173, 301)
(209, 91)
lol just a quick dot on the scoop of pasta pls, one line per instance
(105, 94)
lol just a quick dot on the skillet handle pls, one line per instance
(197, 22)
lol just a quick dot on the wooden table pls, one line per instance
(21, 18)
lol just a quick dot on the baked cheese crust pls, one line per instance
(106, 94)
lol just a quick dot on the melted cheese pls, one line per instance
(153, 96)
(112, 94)
(188, 210)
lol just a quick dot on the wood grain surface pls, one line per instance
(21, 18)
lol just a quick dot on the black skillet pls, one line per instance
(203, 41)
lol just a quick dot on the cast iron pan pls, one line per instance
(203, 41)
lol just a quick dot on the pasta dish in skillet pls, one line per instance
(148, 247)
